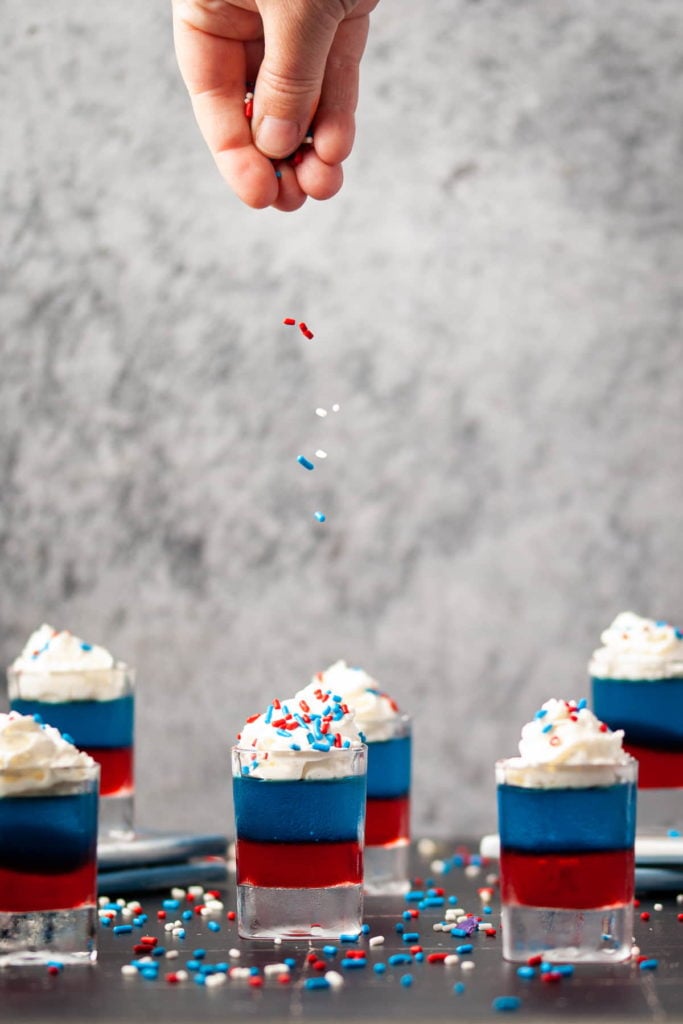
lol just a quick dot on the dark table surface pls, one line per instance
(101, 994)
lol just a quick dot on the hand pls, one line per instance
(303, 56)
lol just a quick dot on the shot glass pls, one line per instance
(387, 824)
(48, 866)
(567, 861)
(299, 847)
(650, 711)
(102, 728)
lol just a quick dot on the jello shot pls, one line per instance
(387, 733)
(88, 695)
(637, 683)
(48, 845)
(567, 814)
(299, 774)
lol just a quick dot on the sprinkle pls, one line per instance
(122, 929)
(321, 412)
(289, 321)
(548, 727)
(378, 940)
(351, 962)
(526, 971)
(406, 980)
(316, 983)
(303, 461)
(466, 947)
(649, 965)
(330, 950)
(349, 936)
(506, 1004)
(380, 968)
(320, 516)
(458, 988)
(321, 453)
(400, 958)
(68, 738)
(336, 407)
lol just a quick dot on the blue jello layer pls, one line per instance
(650, 712)
(48, 834)
(556, 820)
(326, 810)
(90, 723)
(389, 768)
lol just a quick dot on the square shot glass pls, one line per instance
(104, 729)
(48, 866)
(387, 824)
(299, 845)
(567, 861)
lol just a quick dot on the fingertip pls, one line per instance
(317, 179)
(250, 175)
(334, 134)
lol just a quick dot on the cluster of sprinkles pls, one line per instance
(303, 728)
(572, 712)
(303, 460)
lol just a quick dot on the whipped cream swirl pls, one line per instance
(637, 648)
(377, 715)
(301, 738)
(33, 756)
(566, 734)
(56, 666)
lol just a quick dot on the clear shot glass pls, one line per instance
(299, 845)
(48, 866)
(650, 711)
(387, 823)
(567, 861)
(102, 728)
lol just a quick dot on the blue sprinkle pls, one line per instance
(180, 934)
(290, 961)
(283, 732)
(583, 703)
(171, 904)
(346, 744)
(406, 980)
(303, 461)
(353, 963)
(337, 698)
(294, 746)
(541, 713)
(151, 972)
(506, 1004)
(38, 718)
(159, 951)
(487, 910)
(199, 979)
(398, 927)
(55, 963)
(123, 929)
(548, 727)
(411, 936)
(213, 926)
(406, 915)
(414, 895)
(459, 933)
(207, 969)
(268, 714)
(68, 738)
(199, 954)
(105, 922)
(433, 901)
(254, 971)
(86, 647)
(419, 957)
(349, 936)
(365, 928)
(380, 968)
(565, 969)
(400, 958)
(140, 919)
(673, 833)
(466, 947)
(452, 900)
(278, 174)
(526, 972)
(458, 988)
(316, 983)
(649, 965)
(187, 915)
(320, 516)
(192, 965)
(330, 950)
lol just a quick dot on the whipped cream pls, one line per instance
(637, 648)
(301, 738)
(377, 715)
(566, 734)
(32, 755)
(57, 666)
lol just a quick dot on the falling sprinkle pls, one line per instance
(303, 461)
(320, 516)
(336, 407)
(321, 412)
(320, 454)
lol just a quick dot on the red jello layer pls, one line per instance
(657, 769)
(387, 821)
(298, 865)
(116, 769)
(571, 881)
(22, 892)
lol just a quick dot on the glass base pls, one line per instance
(65, 936)
(115, 817)
(385, 869)
(568, 936)
(299, 913)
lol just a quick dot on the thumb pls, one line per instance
(298, 35)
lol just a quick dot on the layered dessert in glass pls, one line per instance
(637, 683)
(83, 691)
(387, 732)
(567, 815)
(299, 784)
(48, 845)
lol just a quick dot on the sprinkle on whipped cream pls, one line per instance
(566, 734)
(377, 714)
(32, 754)
(56, 665)
(300, 738)
(636, 648)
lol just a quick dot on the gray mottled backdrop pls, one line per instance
(496, 296)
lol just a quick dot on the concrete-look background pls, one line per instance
(496, 297)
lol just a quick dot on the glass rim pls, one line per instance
(118, 666)
(27, 771)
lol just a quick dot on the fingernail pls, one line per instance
(276, 136)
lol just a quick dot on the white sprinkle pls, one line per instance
(169, 926)
(171, 954)
(635, 951)
(127, 913)
(455, 913)
(335, 979)
(657, 906)
(679, 898)
(178, 894)
(277, 941)
(120, 902)
(240, 972)
(492, 879)
(196, 890)
(437, 866)
(336, 407)
(276, 969)
(214, 980)
(438, 927)
(234, 954)
(213, 905)
(426, 847)
(181, 975)
(103, 901)
(376, 940)
(321, 454)
(129, 970)
(146, 960)
(467, 965)
(472, 870)
(452, 958)
(321, 412)
(484, 896)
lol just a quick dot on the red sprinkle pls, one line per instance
(645, 916)
(680, 917)
(289, 321)
(534, 961)
(319, 965)
(231, 915)
(53, 969)
(256, 981)
(149, 940)
(161, 915)
(435, 958)
(551, 976)
(172, 978)
(415, 949)
(249, 108)
(283, 979)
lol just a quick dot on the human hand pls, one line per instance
(303, 56)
